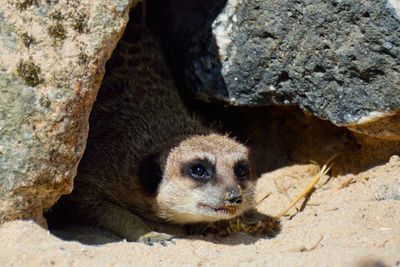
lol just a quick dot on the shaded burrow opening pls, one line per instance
(281, 136)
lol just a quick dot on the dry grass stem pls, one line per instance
(325, 169)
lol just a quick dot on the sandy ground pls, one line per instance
(350, 220)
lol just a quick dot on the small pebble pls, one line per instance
(394, 158)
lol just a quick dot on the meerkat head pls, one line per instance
(205, 178)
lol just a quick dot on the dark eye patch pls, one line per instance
(200, 170)
(241, 170)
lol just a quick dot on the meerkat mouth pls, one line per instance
(220, 210)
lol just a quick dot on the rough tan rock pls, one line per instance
(382, 125)
(52, 57)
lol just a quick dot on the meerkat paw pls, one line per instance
(152, 238)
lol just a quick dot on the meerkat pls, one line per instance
(148, 158)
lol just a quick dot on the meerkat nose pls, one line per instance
(234, 196)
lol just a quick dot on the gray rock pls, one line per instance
(52, 56)
(338, 59)
(388, 191)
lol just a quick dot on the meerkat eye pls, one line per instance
(241, 171)
(198, 171)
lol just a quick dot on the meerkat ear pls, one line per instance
(149, 173)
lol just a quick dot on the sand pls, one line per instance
(350, 220)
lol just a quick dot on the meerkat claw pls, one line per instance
(155, 237)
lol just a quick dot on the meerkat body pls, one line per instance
(147, 157)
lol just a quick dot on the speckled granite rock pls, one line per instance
(52, 56)
(339, 60)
